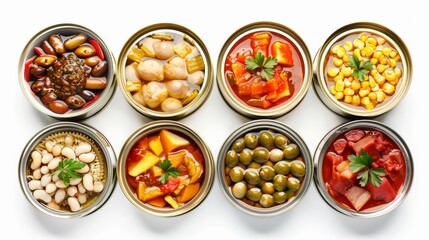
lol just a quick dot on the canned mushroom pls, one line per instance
(165, 71)
(264, 70)
(264, 168)
(67, 170)
(363, 169)
(67, 72)
(165, 169)
(362, 70)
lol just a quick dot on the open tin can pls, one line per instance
(362, 70)
(67, 72)
(67, 170)
(165, 169)
(165, 71)
(363, 169)
(264, 70)
(264, 168)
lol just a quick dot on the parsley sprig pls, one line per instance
(67, 169)
(363, 161)
(168, 171)
(265, 65)
(361, 68)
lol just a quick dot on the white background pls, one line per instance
(214, 22)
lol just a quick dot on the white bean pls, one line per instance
(83, 148)
(84, 169)
(68, 152)
(82, 198)
(55, 177)
(37, 160)
(75, 181)
(42, 195)
(50, 188)
(37, 174)
(60, 184)
(60, 195)
(34, 184)
(45, 179)
(56, 150)
(54, 163)
(88, 182)
(44, 170)
(44, 151)
(81, 188)
(87, 157)
(98, 187)
(73, 204)
(49, 145)
(72, 191)
(46, 158)
(68, 140)
(53, 205)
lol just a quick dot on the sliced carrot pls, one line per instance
(239, 70)
(257, 88)
(158, 202)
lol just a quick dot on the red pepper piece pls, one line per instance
(170, 185)
(97, 47)
(39, 51)
(27, 69)
(91, 101)
(242, 55)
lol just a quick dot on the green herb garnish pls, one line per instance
(169, 171)
(67, 169)
(361, 68)
(259, 62)
(363, 161)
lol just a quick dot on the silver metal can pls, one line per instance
(165, 71)
(286, 148)
(139, 143)
(381, 59)
(402, 173)
(45, 161)
(292, 70)
(63, 50)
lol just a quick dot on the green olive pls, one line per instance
(280, 197)
(281, 167)
(267, 173)
(297, 168)
(293, 184)
(231, 159)
(281, 141)
(252, 176)
(276, 155)
(236, 174)
(280, 182)
(266, 200)
(290, 194)
(261, 155)
(268, 187)
(238, 145)
(239, 190)
(254, 165)
(266, 139)
(291, 151)
(246, 156)
(254, 194)
(251, 140)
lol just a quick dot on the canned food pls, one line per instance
(264, 70)
(363, 169)
(165, 71)
(165, 169)
(362, 70)
(67, 72)
(67, 170)
(264, 168)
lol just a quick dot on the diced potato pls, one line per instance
(183, 49)
(148, 160)
(189, 192)
(171, 141)
(344, 165)
(171, 201)
(156, 146)
(133, 85)
(136, 54)
(151, 193)
(141, 189)
(176, 158)
(195, 64)
(194, 168)
(357, 196)
(157, 202)
(156, 171)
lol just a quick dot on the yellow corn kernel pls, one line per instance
(332, 90)
(381, 68)
(338, 62)
(388, 88)
(377, 54)
(348, 46)
(375, 89)
(398, 72)
(339, 95)
(340, 76)
(363, 37)
(381, 41)
(349, 92)
(358, 43)
(347, 83)
(345, 59)
(386, 51)
(346, 71)
(383, 60)
(374, 72)
(392, 62)
(366, 52)
(393, 54)
(369, 106)
(372, 96)
(356, 100)
(397, 58)
(371, 41)
(374, 61)
(355, 85)
(335, 48)
(363, 92)
(339, 86)
(348, 99)
(364, 84)
(341, 52)
(356, 52)
(365, 101)
(133, 85)
(379, 79)
(390, 75)
(372, 82)
(332, 72)
(381, 96)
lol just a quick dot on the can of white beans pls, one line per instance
(67, 170)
